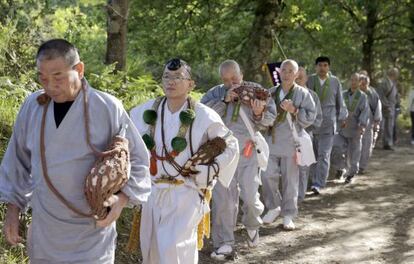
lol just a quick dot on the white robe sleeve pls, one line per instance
(16, 184)
(227, 161)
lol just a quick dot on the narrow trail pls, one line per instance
(368, 221)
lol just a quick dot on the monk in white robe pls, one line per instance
(57, 234)
(177, 204)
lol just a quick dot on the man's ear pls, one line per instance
(80, 68)
(192, 85)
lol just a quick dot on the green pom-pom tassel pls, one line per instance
(178, 144)
(150, 117)
(149, 141)
(187, 117)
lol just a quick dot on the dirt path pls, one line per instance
(369, 221)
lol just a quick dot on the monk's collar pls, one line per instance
(352, 92)
(291, 87)
(326, 77)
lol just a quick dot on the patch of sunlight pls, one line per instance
(357, 246)
(350, 206)
(375, 163)
(409, 256)
(410, 162)
(386, 204)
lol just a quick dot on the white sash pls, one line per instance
(303, 142)
(262, 148)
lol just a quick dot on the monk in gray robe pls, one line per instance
(295, 100)
(373, 125)
(347, 143)
(329, 91)
(304, 171)
(388, 93)
(57, 234)
(225, 204)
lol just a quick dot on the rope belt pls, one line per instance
(169, 181)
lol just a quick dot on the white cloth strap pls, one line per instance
(247, 122)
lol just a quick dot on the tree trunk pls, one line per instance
(257, 49)
(117, 33)
(411, 15)
(369, 32)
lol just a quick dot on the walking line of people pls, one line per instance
(180, 153)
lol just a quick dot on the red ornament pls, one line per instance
(174, 153)
(248, 149)
(153, 164)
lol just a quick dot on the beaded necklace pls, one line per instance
(178, 143)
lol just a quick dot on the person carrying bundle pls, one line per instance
(190, 150)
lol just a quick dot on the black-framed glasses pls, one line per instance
(175, 79)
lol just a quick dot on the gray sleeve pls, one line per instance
(138, 187)
(382, 93)
(310, 82)
(212, 95)
(306, 111)
(341, 110)
(214, 98)
(16, 184)
(268, 117)
(364, 111)
(318, 119)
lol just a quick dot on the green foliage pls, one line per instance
(132, 91)
(12, 95)
(201, 32)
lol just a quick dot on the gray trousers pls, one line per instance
(367, 147)
(245, 184)
(285, 169)
(388, 128)
(323, 144)
(346, 153)
(303, 182)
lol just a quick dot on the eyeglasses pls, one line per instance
(174, 79)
